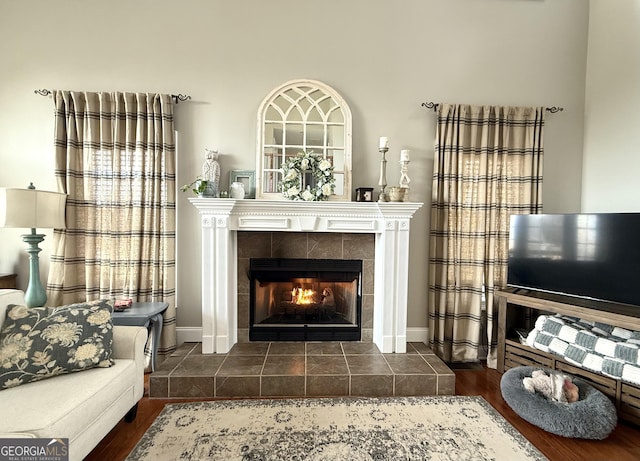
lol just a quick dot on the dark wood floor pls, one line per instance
(622, 445)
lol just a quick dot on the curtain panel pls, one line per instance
(115, 158)
(488, 166)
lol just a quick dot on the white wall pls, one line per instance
(385, 57)
(612, 110)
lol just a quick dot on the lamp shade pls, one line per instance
(32, 208)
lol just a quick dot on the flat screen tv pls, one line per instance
(588, 256)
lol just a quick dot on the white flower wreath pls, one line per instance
(293, 171)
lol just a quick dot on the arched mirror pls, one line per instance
(303, 115)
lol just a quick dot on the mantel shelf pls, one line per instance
(284, 207)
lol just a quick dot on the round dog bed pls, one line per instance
(593, 416)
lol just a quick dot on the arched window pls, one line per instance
(303, 115)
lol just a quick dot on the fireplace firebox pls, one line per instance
(305, 299)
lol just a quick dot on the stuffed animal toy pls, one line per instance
(554, 386)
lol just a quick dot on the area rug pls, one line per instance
(354, 429)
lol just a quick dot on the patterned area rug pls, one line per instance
(354, 429)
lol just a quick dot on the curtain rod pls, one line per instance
(434, 106)
(176, 97)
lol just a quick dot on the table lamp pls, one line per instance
(31, 208)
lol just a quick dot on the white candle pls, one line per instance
(404, 155)
(384, 141)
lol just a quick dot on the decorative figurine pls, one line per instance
(211, 172)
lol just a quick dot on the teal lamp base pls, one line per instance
(35, 296)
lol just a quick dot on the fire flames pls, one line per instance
(303, 296)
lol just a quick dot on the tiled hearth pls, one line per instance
(298, 369)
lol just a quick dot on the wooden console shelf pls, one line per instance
(511, 353)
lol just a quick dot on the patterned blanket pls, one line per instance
(612, 351)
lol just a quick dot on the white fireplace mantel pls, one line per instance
(223, 218)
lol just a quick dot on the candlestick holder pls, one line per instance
(382, 182)
(404, 178)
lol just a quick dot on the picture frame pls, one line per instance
(247, 178)
(364, 194)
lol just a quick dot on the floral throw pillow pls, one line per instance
(42, 342)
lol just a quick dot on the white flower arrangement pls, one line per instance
(293, 172)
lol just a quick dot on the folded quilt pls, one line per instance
(582, 357)
(631, 374)
(612, 351)
(628, 353)
(546, 342)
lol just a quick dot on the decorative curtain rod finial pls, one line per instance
(180, 97)
(430, 105)
(42, 92)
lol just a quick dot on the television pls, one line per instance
(593, 257)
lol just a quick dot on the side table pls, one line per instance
(8, 281)
(144, 314)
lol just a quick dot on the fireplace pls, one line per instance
(305, 299)
(223, 219)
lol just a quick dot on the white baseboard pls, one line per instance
(418, 334)
(188, 335)
(194, 334)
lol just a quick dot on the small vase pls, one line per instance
(397, 194)
(210, 189)
(237, 190)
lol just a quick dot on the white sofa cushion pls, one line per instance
(38, 410)
(69, 406)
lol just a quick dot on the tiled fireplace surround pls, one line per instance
(289, 369)
(312, 245)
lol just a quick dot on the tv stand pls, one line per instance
(518, 308)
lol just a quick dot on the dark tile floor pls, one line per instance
(299, 369)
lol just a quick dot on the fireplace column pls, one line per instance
(219, 285)
(391, 286)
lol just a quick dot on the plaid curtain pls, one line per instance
(115, 158)
(487, 166)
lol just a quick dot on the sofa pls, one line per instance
(81, 406)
